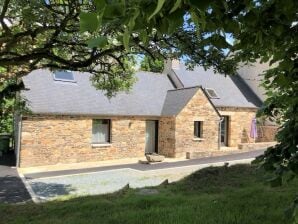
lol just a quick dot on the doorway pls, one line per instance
(224, 129)
(151, 144)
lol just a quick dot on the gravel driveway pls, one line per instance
(102, 182)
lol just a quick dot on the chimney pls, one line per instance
(170, 66)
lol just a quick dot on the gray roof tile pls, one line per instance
(177, 99)
(55, 97)
(232, 91)
(151, 95)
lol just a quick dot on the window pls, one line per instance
(101, 131)
(198, 129)
(64, 76)
(211, 93)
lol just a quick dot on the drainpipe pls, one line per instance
(19, 140)
(219, 132)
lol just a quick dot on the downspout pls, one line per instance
(219, 132)
(19, 140)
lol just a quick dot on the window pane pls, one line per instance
(211, 93)
(66, 76)
(101, 131)
(198, 129)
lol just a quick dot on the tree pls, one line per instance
(9, 105)
(46, 33)
(152, 65)
(201, 31)
(219, 33)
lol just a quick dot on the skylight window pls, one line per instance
(64, 76)
(211, 93)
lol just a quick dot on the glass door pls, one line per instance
(224, 130)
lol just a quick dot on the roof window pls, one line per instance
(64, 76)
(211, 93)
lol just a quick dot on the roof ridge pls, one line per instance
(190, 87)
(153, 73)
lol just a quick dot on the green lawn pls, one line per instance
(211, 196)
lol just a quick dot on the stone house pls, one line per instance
(175, 113)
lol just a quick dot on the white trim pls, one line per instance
(99, 145)
(198, 139)
(19, 140)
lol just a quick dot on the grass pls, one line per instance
(216, 195)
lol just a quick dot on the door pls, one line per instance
(224, 127)
(151, 136)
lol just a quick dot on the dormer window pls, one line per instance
(64, 76)
(211, 93)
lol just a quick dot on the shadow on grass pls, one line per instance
(215, 179)
(225, 195)
(51, 190)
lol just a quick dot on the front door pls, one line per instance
(224, 130)
(151, 136)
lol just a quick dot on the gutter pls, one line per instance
(19, 140)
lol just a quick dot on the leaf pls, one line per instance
(176, 6)
(220, 42)
(195, 20)
(89, 21)
(100, 4)
(131, 23)
(97, 42)
(175, 21)
(113, 11)
(144, 37)
(126, 37)
(160, 3)
(200, 4)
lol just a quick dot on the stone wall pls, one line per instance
(48, 140)
(267, 133)
(239, 124)
(198, 109)
(166, 136)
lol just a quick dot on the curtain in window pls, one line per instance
(100, 131)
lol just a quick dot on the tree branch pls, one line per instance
(2, 15)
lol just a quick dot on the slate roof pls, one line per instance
(177, 99)
(153, 94)
(47, 96)
(232, 90)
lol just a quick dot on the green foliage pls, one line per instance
(57, 35)
(113, 79)
(265, 31)
(152, 65)
(9, 104)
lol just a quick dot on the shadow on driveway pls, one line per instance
(12, 189)
(51, 190)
